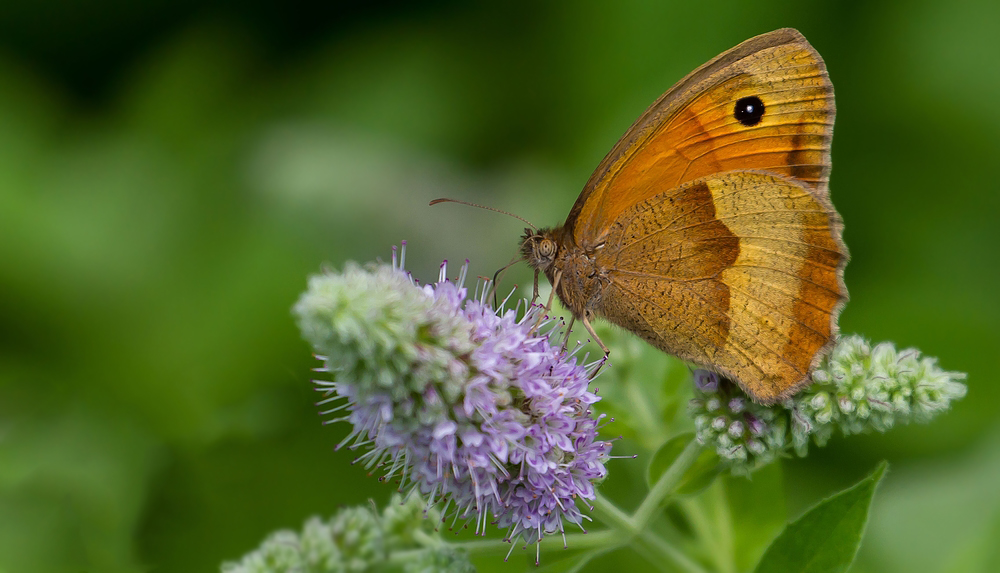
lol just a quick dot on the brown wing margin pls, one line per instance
(674, 100)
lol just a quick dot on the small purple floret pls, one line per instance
(706, 381)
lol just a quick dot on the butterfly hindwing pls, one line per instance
(739, 271)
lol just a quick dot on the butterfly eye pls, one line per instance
(749, 110)
(546, 248)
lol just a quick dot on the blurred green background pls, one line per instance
(170, 173)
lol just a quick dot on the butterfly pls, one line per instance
(708, 229)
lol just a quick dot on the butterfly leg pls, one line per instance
(590, 329)
(548, 305)
(586, 322)
(534, 292)
(569, 330)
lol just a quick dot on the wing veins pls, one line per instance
(683, 142)
(719, 312)
(669, 226)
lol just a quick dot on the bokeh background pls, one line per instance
(171, 172)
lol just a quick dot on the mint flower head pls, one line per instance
(463, 404)
(856, 389)
(859, 388)
(744, 434)
(357, 539)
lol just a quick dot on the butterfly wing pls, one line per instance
(691, 131)
(741, 272)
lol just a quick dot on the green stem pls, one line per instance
(631, 532)
(609, 513)
(625, 529)
(645, 417)
(724, 531)
(425, 539)
(573, 541)
(709, 518)
(666, 484)
(699, 522)
(676, 556)
(596, 539)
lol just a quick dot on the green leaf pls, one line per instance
(698, 477)
(826, 538)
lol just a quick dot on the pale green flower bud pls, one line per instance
(356, 540)
(856, 389)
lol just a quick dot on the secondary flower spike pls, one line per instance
(857, 388)
(357, 539)
(466, 404)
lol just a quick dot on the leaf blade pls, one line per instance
(826, 538)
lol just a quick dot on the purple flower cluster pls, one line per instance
(467, 405)
(744, 434)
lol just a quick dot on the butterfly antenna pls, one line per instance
(436, 201)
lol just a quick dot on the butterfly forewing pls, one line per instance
(692, 131)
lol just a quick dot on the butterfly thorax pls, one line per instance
(553, 252)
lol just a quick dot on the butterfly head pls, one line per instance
(539, 248)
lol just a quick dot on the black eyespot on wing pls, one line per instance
(749, 110)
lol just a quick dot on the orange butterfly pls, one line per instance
(708, 229)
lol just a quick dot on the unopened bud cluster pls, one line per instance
(856, 389)
(357, 539)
